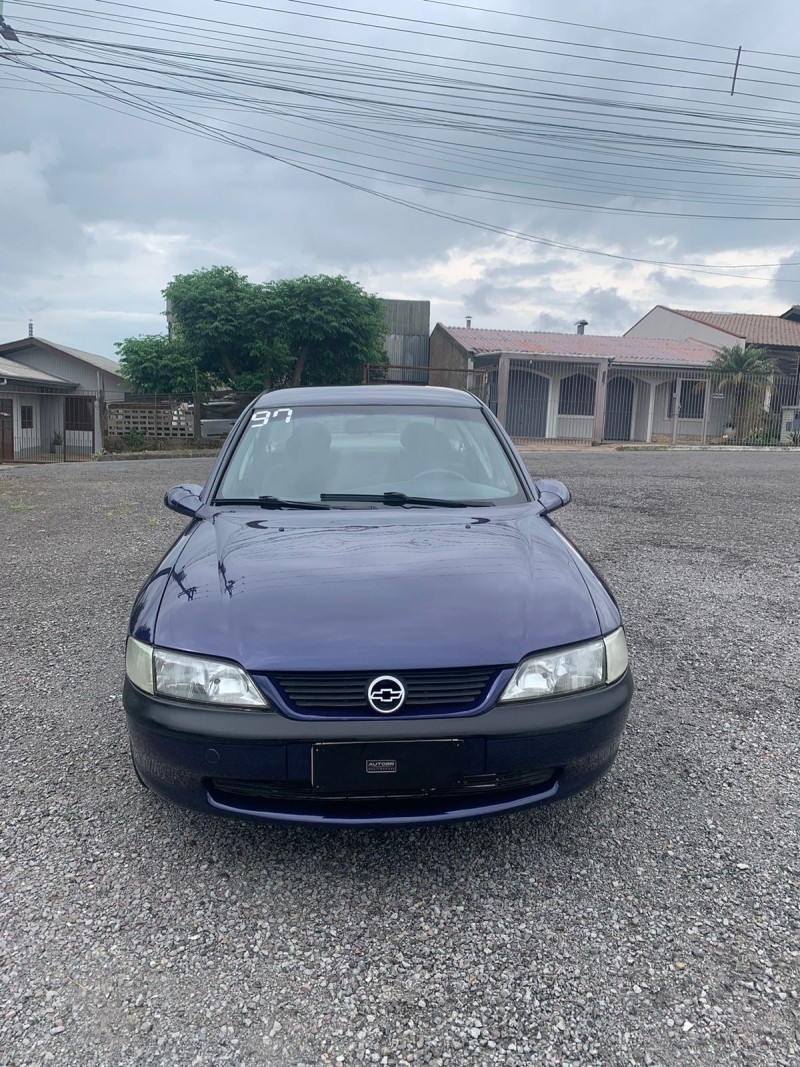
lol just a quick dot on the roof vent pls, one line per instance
(30, 327)
(469, 322)
(582, 324)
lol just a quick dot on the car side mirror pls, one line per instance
(552, 494)
(185, 499)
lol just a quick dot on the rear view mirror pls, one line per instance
(185, 499)
(552, 494)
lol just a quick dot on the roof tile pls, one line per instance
(630, 350)
(755, 329)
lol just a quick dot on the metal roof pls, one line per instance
(18, 372)
(646, 351)
(100, 362)
(416, 395)
(755, 329)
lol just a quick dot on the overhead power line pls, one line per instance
(480, 42)
(610, 82)
(607, 29)
(373, 118)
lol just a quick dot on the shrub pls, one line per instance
(768, 433)
(134, 441)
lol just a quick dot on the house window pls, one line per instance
(576, 396)
(79, 413)
(692, 399)
(26, 416)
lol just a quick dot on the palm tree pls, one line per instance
(746, 375)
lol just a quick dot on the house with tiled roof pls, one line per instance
(549, 388)
(778, 334)
(644, 386)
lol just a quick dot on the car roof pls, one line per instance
(404, 395)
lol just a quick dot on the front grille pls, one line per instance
(457, 687)
(233, 789)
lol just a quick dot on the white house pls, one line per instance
(50, 400)
(582, 387)
(778, 334)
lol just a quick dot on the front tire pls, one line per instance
(139, 778)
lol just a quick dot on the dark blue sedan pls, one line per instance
(371, 620)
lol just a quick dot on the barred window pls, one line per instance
(79, 413)
(576, 396)
(26, 416)
(692, 399)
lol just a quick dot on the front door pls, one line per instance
(6, 431)
(619, 410)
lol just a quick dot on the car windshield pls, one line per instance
(432, 455)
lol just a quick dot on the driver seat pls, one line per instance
(424, 448)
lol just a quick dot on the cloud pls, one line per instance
(35, 224)
(786, 286)
(102, 208)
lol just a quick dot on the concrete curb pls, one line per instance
(113, 457)
(604, 449)
(708, 448)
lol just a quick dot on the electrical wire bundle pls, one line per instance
(428, 114)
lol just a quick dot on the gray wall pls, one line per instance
(408, 324)
(407, 317)
(447, 355)
(70, 369)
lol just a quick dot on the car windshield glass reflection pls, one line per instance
(363, 452)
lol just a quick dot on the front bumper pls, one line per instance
(257, 765)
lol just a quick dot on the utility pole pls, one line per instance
(6, 31)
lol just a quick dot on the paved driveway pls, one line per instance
(652, 920)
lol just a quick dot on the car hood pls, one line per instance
(374, 590)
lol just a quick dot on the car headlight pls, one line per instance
(139, 664)
(570, 670)
(185, 677)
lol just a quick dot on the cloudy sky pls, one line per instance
(142, 141)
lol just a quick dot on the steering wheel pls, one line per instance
(440, 470)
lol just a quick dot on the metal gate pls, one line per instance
(618, 424)
(45, 426)
(6, 431)
(528, 399)
(473, 380)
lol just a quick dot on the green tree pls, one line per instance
(746, 375)
(328, 327)
(152, 363)
(219, 317)
(737, 363)
(311, 330)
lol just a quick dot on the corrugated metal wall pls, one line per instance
(407, 336)
(411, 317)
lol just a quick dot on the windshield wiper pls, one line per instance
(399, 499)
(273, 502)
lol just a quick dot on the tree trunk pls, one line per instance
(229, 370)
(299, 366)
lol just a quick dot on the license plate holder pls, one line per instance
(352, 768)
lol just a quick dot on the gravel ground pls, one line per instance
(653, 919)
